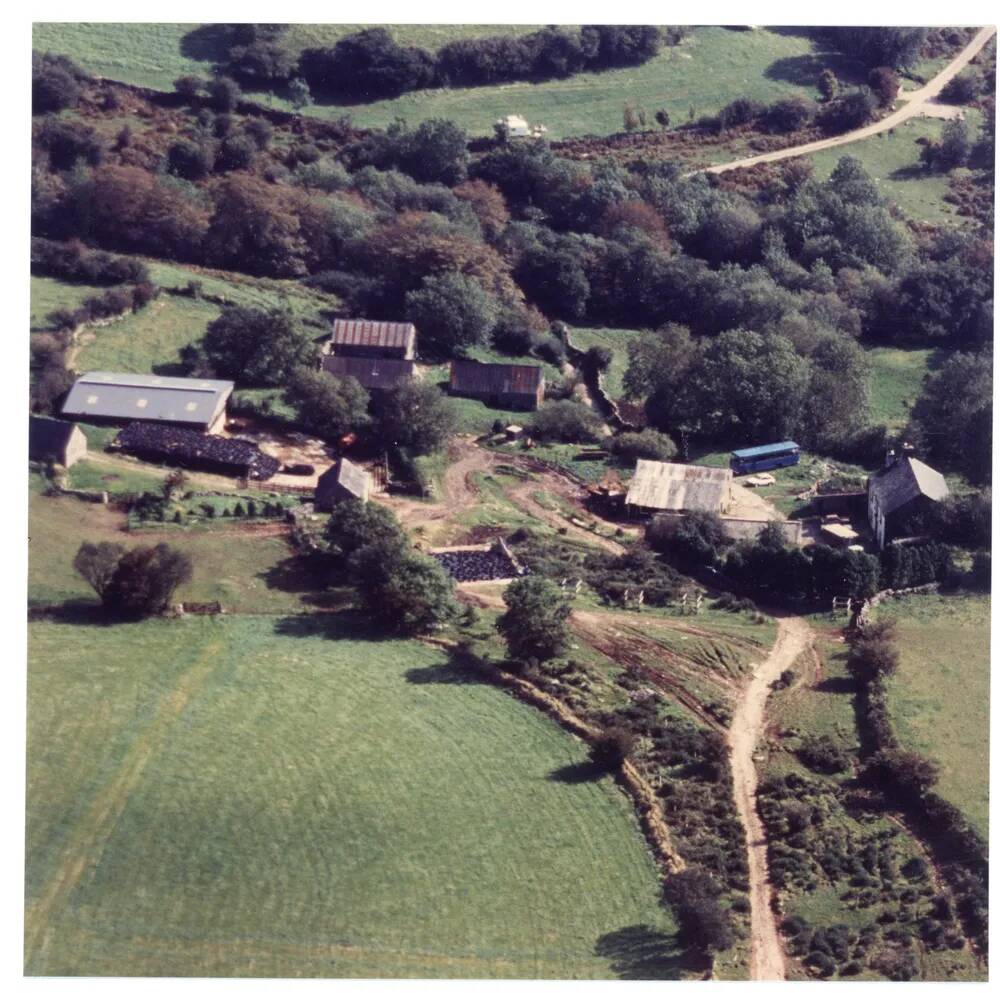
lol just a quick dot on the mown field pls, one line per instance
(897, 380)
(940, 697)
(892, 159)
(263, 798)
(709, 69)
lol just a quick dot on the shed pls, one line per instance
(374, 374)
(55, 441)
(342, 481)
(373, 339)
(123, 397)
(900, 494)
(516, 387)
(673, 486)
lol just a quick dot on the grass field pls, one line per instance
(49, 294)
(618, 340)
(711, 68)
(893, 160)
(242, 570)
(897, 380)
(939, 698)
(282, 799)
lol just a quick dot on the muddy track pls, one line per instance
(744, 737)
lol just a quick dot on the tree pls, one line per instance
(873, 653)
(554, 279)
(648, 443)
(663, 119)
(402, 590)
(884, 83)
(453, 313)
(697, 538)
(704, 923)
(55, 83)
(188, 88)
(299, 94)
(629, 118)
(535, 624)
(257, 347)
(223, 94)
(236, 152)
(190, 160)
(136, 583)
(611, 748)
(905, 775)
(415, 417)
(848, 112)
(838, 398)
(565, 420)
(330, 406)
(354, 525)
(829, 85)
(955, 147)
(97, 563)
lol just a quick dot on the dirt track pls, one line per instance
(745, 732)
(916, 103)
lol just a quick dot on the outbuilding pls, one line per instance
(124, 397)
(342, 481)
(372, 339)
(374, 374)
(499, 384)
(899, 494)
(677, 488)
(59, 442)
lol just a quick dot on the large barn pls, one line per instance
(123, 397)
(899, 494)
(342, 481)
(499, 384)
(373, 374)
(372, 339)
(676, 488)
(55, 441)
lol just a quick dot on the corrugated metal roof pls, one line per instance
(127, 396)
(674, 486)
(371, 373)
(347, 475)
(773, 449)
(372, 334)
(904, 481)
(495, 378)
(48, 438)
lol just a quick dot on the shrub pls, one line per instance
(611, 748)
(697, 538)
(189, 87)
(566, 421)
(534, 625)
(223, 94)
(55, 83)
(790, 114)
(704, 922)
(822, 754)
(629, 446)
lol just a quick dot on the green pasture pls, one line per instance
(49, 294)
(287, 798)
(897, 380)
(892, 159)
(939, 698)
(709, 69)
(618, 340)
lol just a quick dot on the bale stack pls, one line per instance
(476, 565)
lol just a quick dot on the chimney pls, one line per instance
(890, 457)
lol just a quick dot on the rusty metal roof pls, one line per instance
(675, 486)
(373, 334)
(371, 373)
(495, 378)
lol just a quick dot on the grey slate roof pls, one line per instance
(905, 480)
(347, 476)
(675, 486)
(128, 396)
(48, 438)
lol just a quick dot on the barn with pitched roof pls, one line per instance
(374, 374)
(500, 384)
(372, 339)
(674, 487)
(342, 481)
(55, 441)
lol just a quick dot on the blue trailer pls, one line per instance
(763, 457)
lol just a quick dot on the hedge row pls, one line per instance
(73, 262)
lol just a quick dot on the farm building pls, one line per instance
(55, 441)
(517, 387)
(372, 339)
(677, 488)
(372, 373)
(899, 494)
(123, 397)
(342, 481)
(194, 450)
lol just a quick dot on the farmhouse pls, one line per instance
(123, 397)
(195, 450)
(373, 374)
(677, 488)
(899, 493)
(342, 481)
(517, 387)
(372, 339)
(55, 441)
